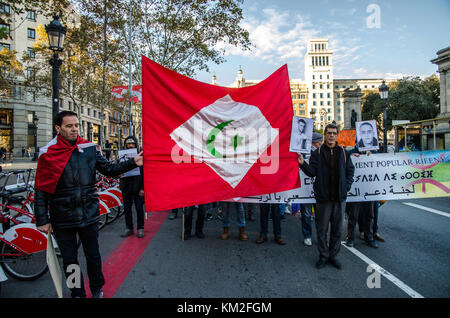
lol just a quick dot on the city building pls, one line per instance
(20, 106)
(321, 96)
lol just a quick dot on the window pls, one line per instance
(328, 75)
(312, 60)
(328, 95)
(30, 73)
(314, 95)
(302, 96)
(31, 15)
(338, 95)
(336, 86)
(5, 45)
(314, 103)
(293, 96)
(82, 109)
(31, 33)
(320, 76)
(321, 95)
(338, 103)
(329, 110)
(327, 60)
(328, 86)
(95, 113)
(351, 86)
(365, 86)
(6, 27)
(321, 103)
(314, 86)
(339, 118)
(329, 103)
(321, 86)
(31, 53)
(70, 105)
(343, 86)
(329, 118)
(89, 112)
(4, 8)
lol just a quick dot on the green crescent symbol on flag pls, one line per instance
(212, 137)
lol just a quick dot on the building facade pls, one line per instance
(321, 96)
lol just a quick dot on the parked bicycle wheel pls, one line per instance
(102, 220)
(113, 214)
(26, 267)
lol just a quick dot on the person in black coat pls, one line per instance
(67, 203)
(132, 188)
(333, 170)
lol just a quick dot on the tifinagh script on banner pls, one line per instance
(403, 175)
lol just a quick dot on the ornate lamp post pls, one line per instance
(56, 34)
(312, 112)
(36, 148)
(384, 92)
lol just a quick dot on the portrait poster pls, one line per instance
(366, 135)
(301, 134)
(125, 155)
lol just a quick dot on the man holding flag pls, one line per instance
(66, 199)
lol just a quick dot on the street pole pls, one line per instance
(55, 62)
(384, 127)
(129, 72)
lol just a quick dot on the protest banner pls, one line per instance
(404, 175)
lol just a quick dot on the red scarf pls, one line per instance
(53, 159)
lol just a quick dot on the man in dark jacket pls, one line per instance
(333, 170)
(132, 188)
(66, 199)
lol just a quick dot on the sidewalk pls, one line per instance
(19, 163)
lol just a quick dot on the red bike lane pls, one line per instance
(119, 262)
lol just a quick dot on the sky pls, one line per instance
(369, 38)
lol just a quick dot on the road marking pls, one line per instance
(427, 209)
(411, 292)
(119, 263)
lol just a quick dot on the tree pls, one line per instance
(410, 98)
(183, 35)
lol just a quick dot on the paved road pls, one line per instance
(414, 261)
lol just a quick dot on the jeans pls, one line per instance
(267, 209)
(353, 218)
(240, 213)
(375, 217)
(128, 200)
(306, 210)
(67, 242)
(367, 211)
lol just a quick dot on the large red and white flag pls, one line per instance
(205, 143)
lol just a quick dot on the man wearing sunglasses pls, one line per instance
(333, 170)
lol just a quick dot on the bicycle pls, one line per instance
(22, 250)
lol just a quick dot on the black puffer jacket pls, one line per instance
(75, 202)
(132, 185)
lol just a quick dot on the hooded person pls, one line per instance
(132, 188)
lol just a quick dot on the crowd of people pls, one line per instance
(66, 200)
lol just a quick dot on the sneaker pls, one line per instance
(361, 236)
(307, 242)
(349, 243)
(372, 243)
(127, 233)
(97, 294)
(140, 233)
(378, 237)
(209, 216)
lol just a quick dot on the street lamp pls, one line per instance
(36, 149)
(56, 34)
(384, 92)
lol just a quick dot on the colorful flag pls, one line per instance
(119, 93)
(205, 143)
